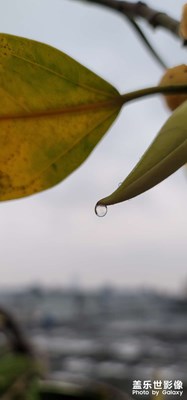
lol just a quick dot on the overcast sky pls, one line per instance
(54, 238)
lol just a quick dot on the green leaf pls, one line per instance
(167, 153)
(53, 113)
(16, 374)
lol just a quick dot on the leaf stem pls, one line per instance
(153, 90)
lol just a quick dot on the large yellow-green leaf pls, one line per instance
(53, 112)
(167, 153)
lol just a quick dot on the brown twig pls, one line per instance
(154, 17)
(17, 340)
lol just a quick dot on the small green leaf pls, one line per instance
(167, 153)
(16, 373)
(53, 113)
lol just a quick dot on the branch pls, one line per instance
(10, 327)
(146, 42)
(154, 17)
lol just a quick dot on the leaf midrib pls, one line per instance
(117, 101)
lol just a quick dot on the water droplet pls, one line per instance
(100, 210)
(119, 184)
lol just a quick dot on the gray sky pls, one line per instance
(54, 238)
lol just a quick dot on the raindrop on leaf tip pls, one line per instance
(100, 210)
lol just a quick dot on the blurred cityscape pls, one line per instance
(107, 335)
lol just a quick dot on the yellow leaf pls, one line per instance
(53, 113)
